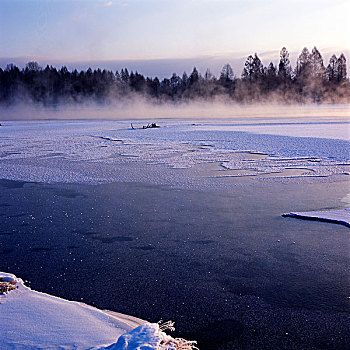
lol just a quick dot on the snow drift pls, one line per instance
(34, 320)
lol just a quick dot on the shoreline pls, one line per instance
(31, 319)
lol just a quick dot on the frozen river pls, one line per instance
(183, 223)
(105, 151)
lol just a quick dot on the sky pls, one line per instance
(159, 37)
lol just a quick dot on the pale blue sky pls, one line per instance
(59, 31)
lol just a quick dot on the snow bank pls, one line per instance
(334, 216)
(33, 320)
(150, 336)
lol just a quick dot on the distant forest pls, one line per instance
(309, 81)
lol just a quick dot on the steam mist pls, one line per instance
(139, 108)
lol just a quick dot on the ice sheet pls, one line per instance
(106, 151)
(326, 129)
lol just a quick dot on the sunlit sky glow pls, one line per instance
(77, 32)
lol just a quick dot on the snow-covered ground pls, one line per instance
(107, 151)
(34, 320)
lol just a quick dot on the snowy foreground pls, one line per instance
(34, 320)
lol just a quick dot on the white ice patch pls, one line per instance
(151, 336)
(335, 216)
(103, 151)
(327, 130)
(146, 336)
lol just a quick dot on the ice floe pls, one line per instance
(334, 216)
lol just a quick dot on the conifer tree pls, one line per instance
(332, 69)
(194, 77)
(303, 63)
(316, 64)
(258, 68)
(226, 74)
(284, 68)
(209, 76)
(248, 70)
(341, 68)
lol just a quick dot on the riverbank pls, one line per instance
(34, 320)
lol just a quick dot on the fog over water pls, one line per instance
(139, 108)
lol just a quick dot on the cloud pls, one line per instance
(110, 3)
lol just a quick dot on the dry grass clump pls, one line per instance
(178, 344)
(5, 286)
(174, 343)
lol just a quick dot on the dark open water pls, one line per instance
(226, 267)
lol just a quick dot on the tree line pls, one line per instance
(309, 81)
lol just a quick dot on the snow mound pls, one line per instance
(8, 277)
(334, 216)
(33, 320)
(8, 282)
(151, 336)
